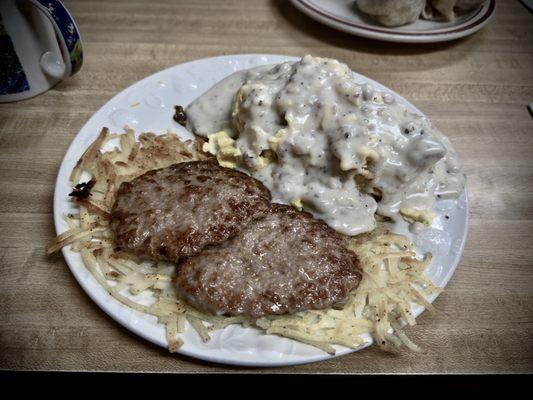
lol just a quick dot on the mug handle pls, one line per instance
(69, 40)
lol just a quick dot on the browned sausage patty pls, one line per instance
(283, 263)
(173, 212)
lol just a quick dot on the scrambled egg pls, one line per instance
(298, 204)
(413, 215)
(267, 157)
(222, 146)
(273, 141)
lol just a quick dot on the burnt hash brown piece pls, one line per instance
(283, 263)
(176, 211)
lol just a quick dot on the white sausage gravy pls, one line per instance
(322, 142)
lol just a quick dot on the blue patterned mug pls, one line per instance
(39, 46)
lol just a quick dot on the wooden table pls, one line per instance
(475, 90)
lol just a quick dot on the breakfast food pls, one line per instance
(168, 232)
(450, 8)
(393, 278)
(392, 12)
(176, 211)
(284, 263)
(327, 144)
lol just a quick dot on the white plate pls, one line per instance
(345, 16)
(148, 106)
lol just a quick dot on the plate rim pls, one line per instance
(105, 305)
(485, 13)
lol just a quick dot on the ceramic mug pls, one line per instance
(39, 47)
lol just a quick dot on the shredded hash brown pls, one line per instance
(393, 277)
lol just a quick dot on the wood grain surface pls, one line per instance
(475, 90)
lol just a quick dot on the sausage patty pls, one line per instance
(176, 211)
(283, 263)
